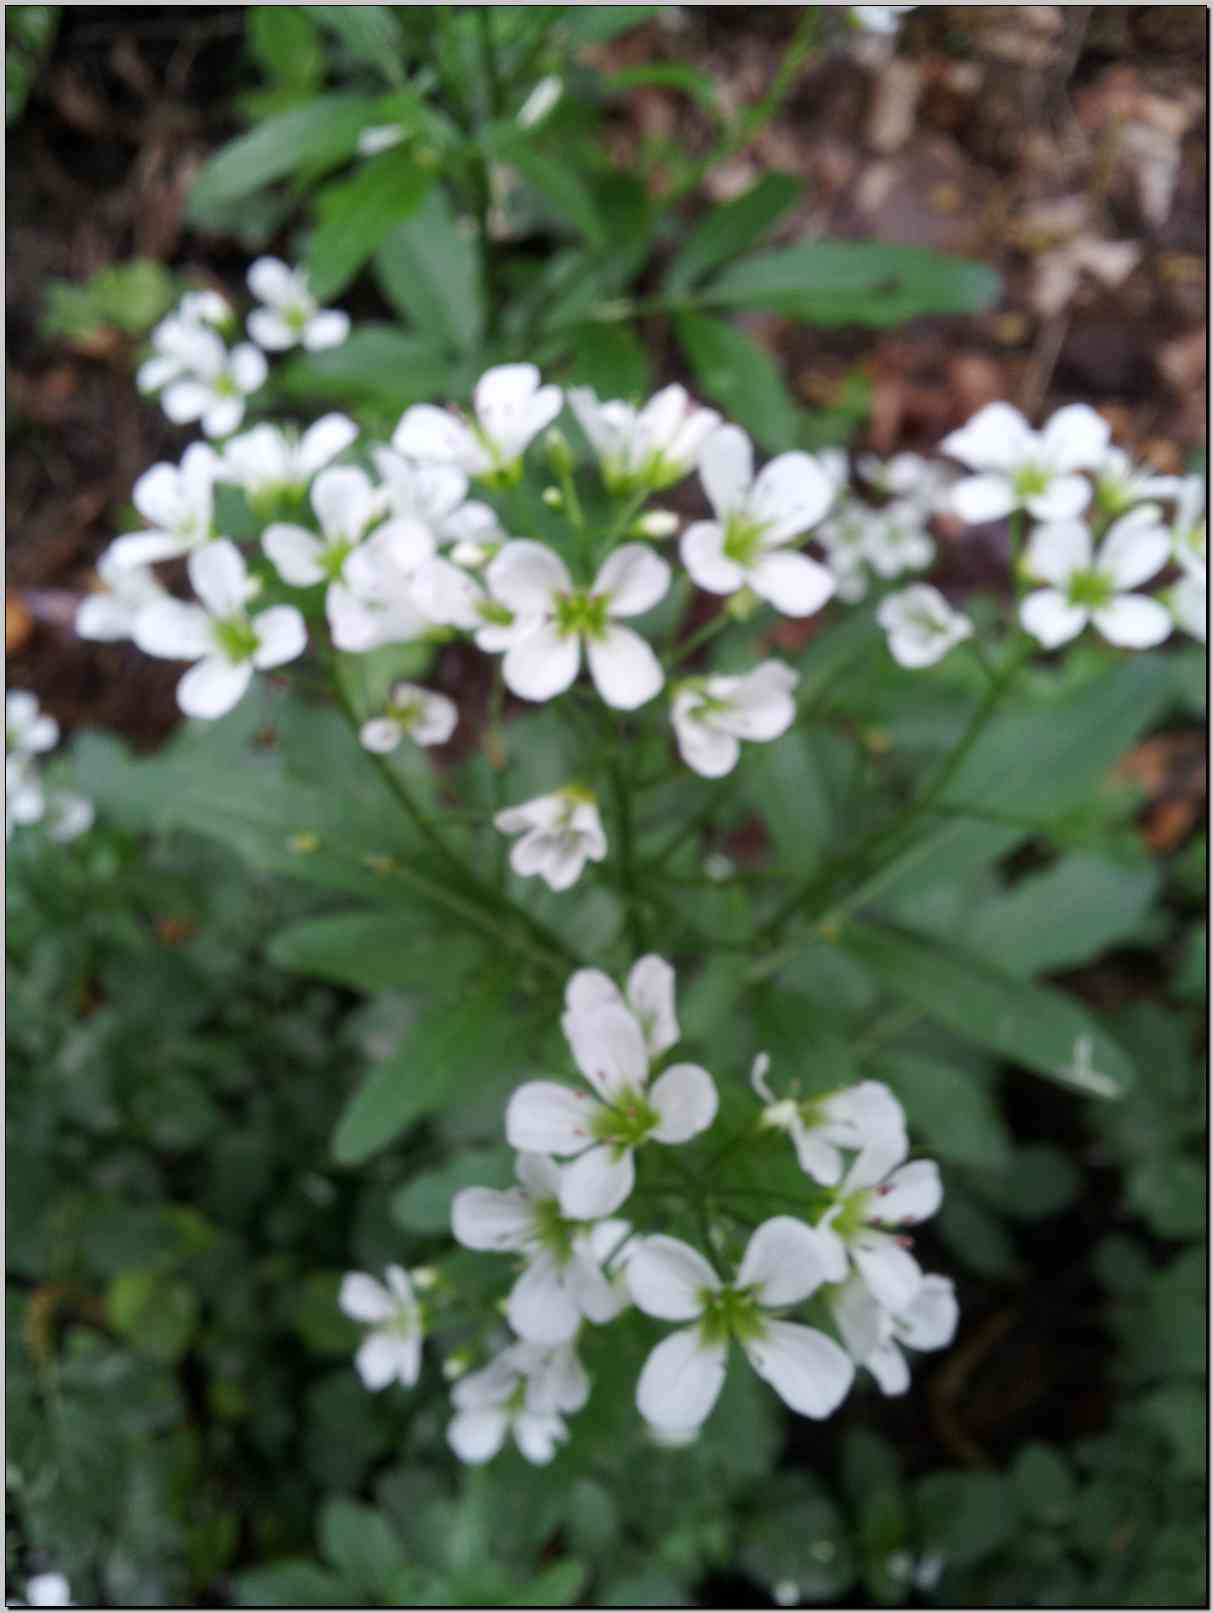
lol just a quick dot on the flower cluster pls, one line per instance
(579, 1262)
(29, 734)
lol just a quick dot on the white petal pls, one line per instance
(427, 433)
(438, 720)
(295, 554)
(364, 1299)
(726, 469)
(384, 1357)
(761, 705)
(220, 578)
(541, 1306)
(1136, 547)
(890, 1271)
(542, 664)
(807, 1370)
(281, 636)
(597, 1183)
(502, 400)
(911, 1193)
(597, 1296)
(667, 1278)
(784, 1262)
(816, 1156)
(864, 1324)
(103, 618)
(1133, 621)
(269, 330)
(589, 989)
(681, 1380)
(561, 1384)
(1076, 438)
(634, 580)
(331, 435)
(651, 998)
(477, 1436)
(685, 1098)
(175, 631)
(543, 1117)
(790, 495)
(977, 499)
(343, 501)
(793, 583)
(890, 1369)
(145, 548)
(709, 751)
(930, 1321)
(213, 686)
(608, 1046)
(625, 670)
(223, 416)
(538, 1175)
(1063, 499)
(702, 551)
(447, 594)
(997, 438)
(525, 576)
(1049, 617)
(328, 328)
(538, 1436)
(272, 282)
(1056, 551)
(184, 401)
(157, 497)
(482, 1218)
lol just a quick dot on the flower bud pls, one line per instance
(560, 455)
(553, 498)
(656, 524)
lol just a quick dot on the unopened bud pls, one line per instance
(472, 555)
(456, 1365)
(657, 524)
(425, 1277)
(553, 498)
(560, 455)
(743, 604)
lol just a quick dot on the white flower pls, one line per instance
(275, 459)
(345, 505)
(1025, 469)
(67, 816)
(653, 447)
(382, 137)
(906, 476)
(866, 1120)
(560, 833)
(601, 1133)
(290, 314)
(206, 308)
(540, 101)
(510, 407)
(846, 535)
(391, 1350)
(880, 19)
(921, 625)
(649, 1000)
(562, 1281)
(521, 1392)
(448, 594)
(1119, 483)
(219, 635)
(204, 380)
(48, 1590)
(24, 797)
(756, 518)
(173, 346)
(712, 715)
(373, 602)
(879, 1192)
(110, 614)
(1086, 587)
(534, 582)
(28, 730)
(683, 1376)
(427, 718)
(435, 495)
(873, 1335)
(177, 502)
(1188, 601)
(897, 541)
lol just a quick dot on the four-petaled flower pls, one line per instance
(534, 582)
(219, 634)
(783, 1264)
(110, 614)
(1022, 469)
(602, 1132)
(269, 460)
(391, 1350)
(204, 380)
(345, 505)
(420, 714)
(756, 519)
(649, 999)
(522, 1392)
(649, 448)
(562, 1281)
(922, 627)
(509, 408)
(865, 1120)
(712, 715)
(1088, 587)
(177, 502)
(873, 1335)
(874, 1196)
(290, 314)
(560, 833)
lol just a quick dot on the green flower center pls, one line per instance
(496, 615)
(406, 713)
(852, 1215)
(553, 1230)
(1030, 480)
(334, 557)
(1090, 589)
(236, 638)
(225, 387)
(297, 318)
(729, 1313)
(743, 539)
(628, 1121)
(581, 613)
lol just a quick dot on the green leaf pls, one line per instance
(559, 183)
(560, 1585)
(378, 951)
(317, 135)
(593, 25)
(950, 1109)
(856, 283)
(466, 1050)
(612, 359)
(798, 1537)
(371, 34)
(790, 784)
(1065, 916)
(284, 42)
(964, 1516)
(361, 1545)
(692, 81)
(292, 1582)
(157, 1314)
(726, 231)
(356, 215)
(376, 364)
(1040, 1181)
(737, 374)
(431, 272)
(1031, 1025)
(1169, 1194)
(1043, 1483)
(424, 1204)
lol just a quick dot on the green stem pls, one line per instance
(702, 635)
(694, 825)
(627, 867)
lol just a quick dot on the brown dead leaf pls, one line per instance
(18, 625)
